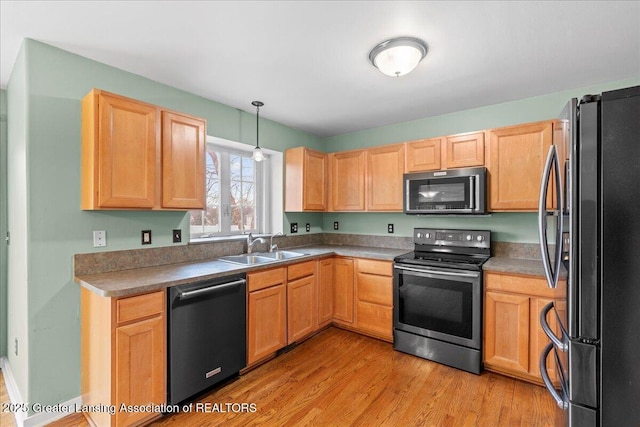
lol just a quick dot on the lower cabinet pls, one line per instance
(343, 291)
(123, 355)
(267, 312)
(325, 291)
(302, 314)
(513, 337)
(374, 298)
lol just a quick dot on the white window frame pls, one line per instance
(262, 197)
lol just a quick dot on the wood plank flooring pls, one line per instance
(7, 419)
(339, 378)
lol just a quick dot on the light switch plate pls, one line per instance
(146, 237)
(177, 235)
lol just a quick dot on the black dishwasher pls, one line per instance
(206, 335)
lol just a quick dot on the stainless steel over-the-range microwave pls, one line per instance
(452, 191)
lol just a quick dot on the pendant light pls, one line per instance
(399, 56)
(258, 155)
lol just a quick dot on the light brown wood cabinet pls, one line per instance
(347, 180)
(464, 150)
(325, 291)
(513, 337)
(306, 177)
(423, 155)
(385, 167)
(123, 355)
(343, 290)
(374, 298)
(267, 313)
(302, 300)
(515, 162)
(139, 156)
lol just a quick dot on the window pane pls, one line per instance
(248, 193)
(235, 169)
(248, 167)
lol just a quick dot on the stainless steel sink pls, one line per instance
(246, 259)
(261, 258)
(282, 254)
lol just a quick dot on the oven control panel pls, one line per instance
(459, 238)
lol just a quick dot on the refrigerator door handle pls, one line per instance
(561, 401)
(552, 273)
(563, 342)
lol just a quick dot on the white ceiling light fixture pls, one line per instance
(258, 155)
(398, 56)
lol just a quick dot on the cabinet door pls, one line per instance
(516, 160)
(464, 150)
(385, 166)
(347, 181)
(423, 155)
(506, 331)
(267, 322)
(183, 161)
(302, 317)
(325, 291)
(306, 180)
(124, 176)
(343, 290)
(140, 367)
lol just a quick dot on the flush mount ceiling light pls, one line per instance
(258, 155)
(397, 57)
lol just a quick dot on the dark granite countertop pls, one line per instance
(148, 279)
(532, 267)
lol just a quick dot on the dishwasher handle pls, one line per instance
(211, 289)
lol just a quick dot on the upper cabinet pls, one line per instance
(464, 150)
(306, 177)
(423, 155)
(515, 162)
(139, 156)
(385, 166)
(347, 180)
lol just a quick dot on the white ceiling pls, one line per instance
(308, 60)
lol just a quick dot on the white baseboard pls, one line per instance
(38, 419)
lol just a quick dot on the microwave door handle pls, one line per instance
(472, 202)
(542, 215)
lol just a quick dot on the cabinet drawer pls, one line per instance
(375, 289)
(302, 269)
(375, 319)
(382, 268)
(138, 307)
(265, 279)
(529, 285)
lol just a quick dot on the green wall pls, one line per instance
(50, 84)
(510, 227)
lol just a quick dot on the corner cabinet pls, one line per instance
(123, 355)
(306, 178)
(516, 159)
(140, 156)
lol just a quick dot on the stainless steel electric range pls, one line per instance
(437, 296)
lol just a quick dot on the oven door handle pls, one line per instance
(438, 272)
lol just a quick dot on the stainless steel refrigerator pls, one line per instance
(591, 238)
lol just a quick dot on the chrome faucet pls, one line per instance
(273, 247)
(251, 241)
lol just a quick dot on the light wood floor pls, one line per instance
(7, 419)
(339, 378)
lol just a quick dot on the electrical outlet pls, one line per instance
(389, 228)
(177, 236)
(336, 226)
(146, 237)
(99, 238)
(294, 227)
(308, 227)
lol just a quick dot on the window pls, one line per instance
(234, 194)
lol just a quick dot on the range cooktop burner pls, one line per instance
(461, 249)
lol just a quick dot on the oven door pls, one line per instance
(439, 303)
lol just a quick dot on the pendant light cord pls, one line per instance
(257, 126)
